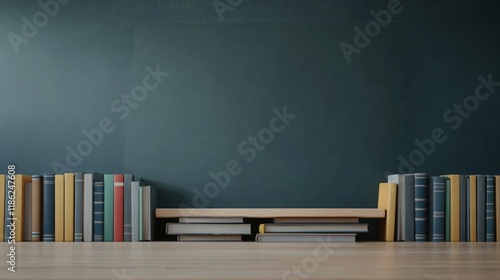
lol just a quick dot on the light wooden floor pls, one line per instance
(248, 260)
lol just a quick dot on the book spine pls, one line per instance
(135, 210)
(108, 206)
(497, 207)
(28, 195)
(149, 206)
(78, 207)
(421, 206)
(36, 208)
(69, 207)
(127, 214)
(437, 201)
(59, 208)
(397, 179)
(481, 208)
(467, 210)
(48, 207)
(448, 211)
(463, 207)
(19, 207)
(98, 209)
(490, 208)
(6, 214)
(409, 196)
(118, 207)
(88, 206)
(473, 208)
(387, 200)
(141, 209)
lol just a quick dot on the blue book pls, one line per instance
(490, 208)
(78, 207)
(127, 207)
(108, 207)
(464, 198)
(481, 208)
(98, 216)
(48, 222)
(437, 205)
(421, 207)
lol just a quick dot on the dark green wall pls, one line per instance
(225, 78)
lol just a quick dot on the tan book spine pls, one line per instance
(473, 208)
(387, 195)
(19, 181)
(455, 208)
(36, 209)
(2, 206)
(69, 206)
(59, 208)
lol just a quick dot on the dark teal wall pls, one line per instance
(225, 77)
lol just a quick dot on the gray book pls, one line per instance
(78, 207)
(127, 207)
(314, 238)
(88, 206)
(405, 226)
(211, 220)
(27, 205)
(313, 228)
(481, 208)
(148, 212)
(209, 238)
(463, 207)
(134, 206)
(207, 229)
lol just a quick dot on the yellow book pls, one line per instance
(2, 206)
(473, 208)
(454, 207)
(19, 182)
(262, 228)
(59, 208)
(387, 200)
(497, 207)
(69, 206)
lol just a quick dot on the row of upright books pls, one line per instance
(456, 208)
(75, 207)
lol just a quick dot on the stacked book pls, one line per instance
(209, 229)
(75, 207)
(311, 230)
(456, 208)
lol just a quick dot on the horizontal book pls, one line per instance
(289, 237)
(205, 229)
(209, 238)
(313, 228)
(285, 220)
(211, 220)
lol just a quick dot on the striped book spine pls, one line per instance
(118, 207)
(490, 208)
(421, 207)
(36, 208)
(127, 200)
(437, 202)
(78, 207)
(98, 216)
(481, 208)
(108, 206)
(48, 207)
(69, 207)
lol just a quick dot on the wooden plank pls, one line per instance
(271, 212)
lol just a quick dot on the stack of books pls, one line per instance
(75, 207)
(311, 230)
(456, 208)
(209, 229)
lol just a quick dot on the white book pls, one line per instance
(211, 220)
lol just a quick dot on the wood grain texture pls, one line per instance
(249, 260)
(271, 212)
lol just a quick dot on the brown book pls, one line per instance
(19, 181)
(36, 208)
(454, 207)
(472, 208)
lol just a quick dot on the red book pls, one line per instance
(118, 207)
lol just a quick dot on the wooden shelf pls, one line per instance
(271, 212)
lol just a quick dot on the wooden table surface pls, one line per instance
(249, 260)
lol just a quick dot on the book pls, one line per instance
(490, 208)
(316, 238)
(387, 196)
(127, 207)
(211, 220)
(28, 192)
(36, 208)
(207, 229)
(481, 208)
(405, 217)
(472, 208)
(134, 205)
(148, 195)
(98, 215)
(69, 207)
(48, 218)
(497, 207)
(421, 207)
(59, 208)
(118, 207)
(462, 180)
(19, 181)
(437, 205)
(209, 238)
(2, 207)
(447, 235)
(7, 209)
(313, 228)
(78, 207)
(313, 220)
(108, 207)
(454, 207)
